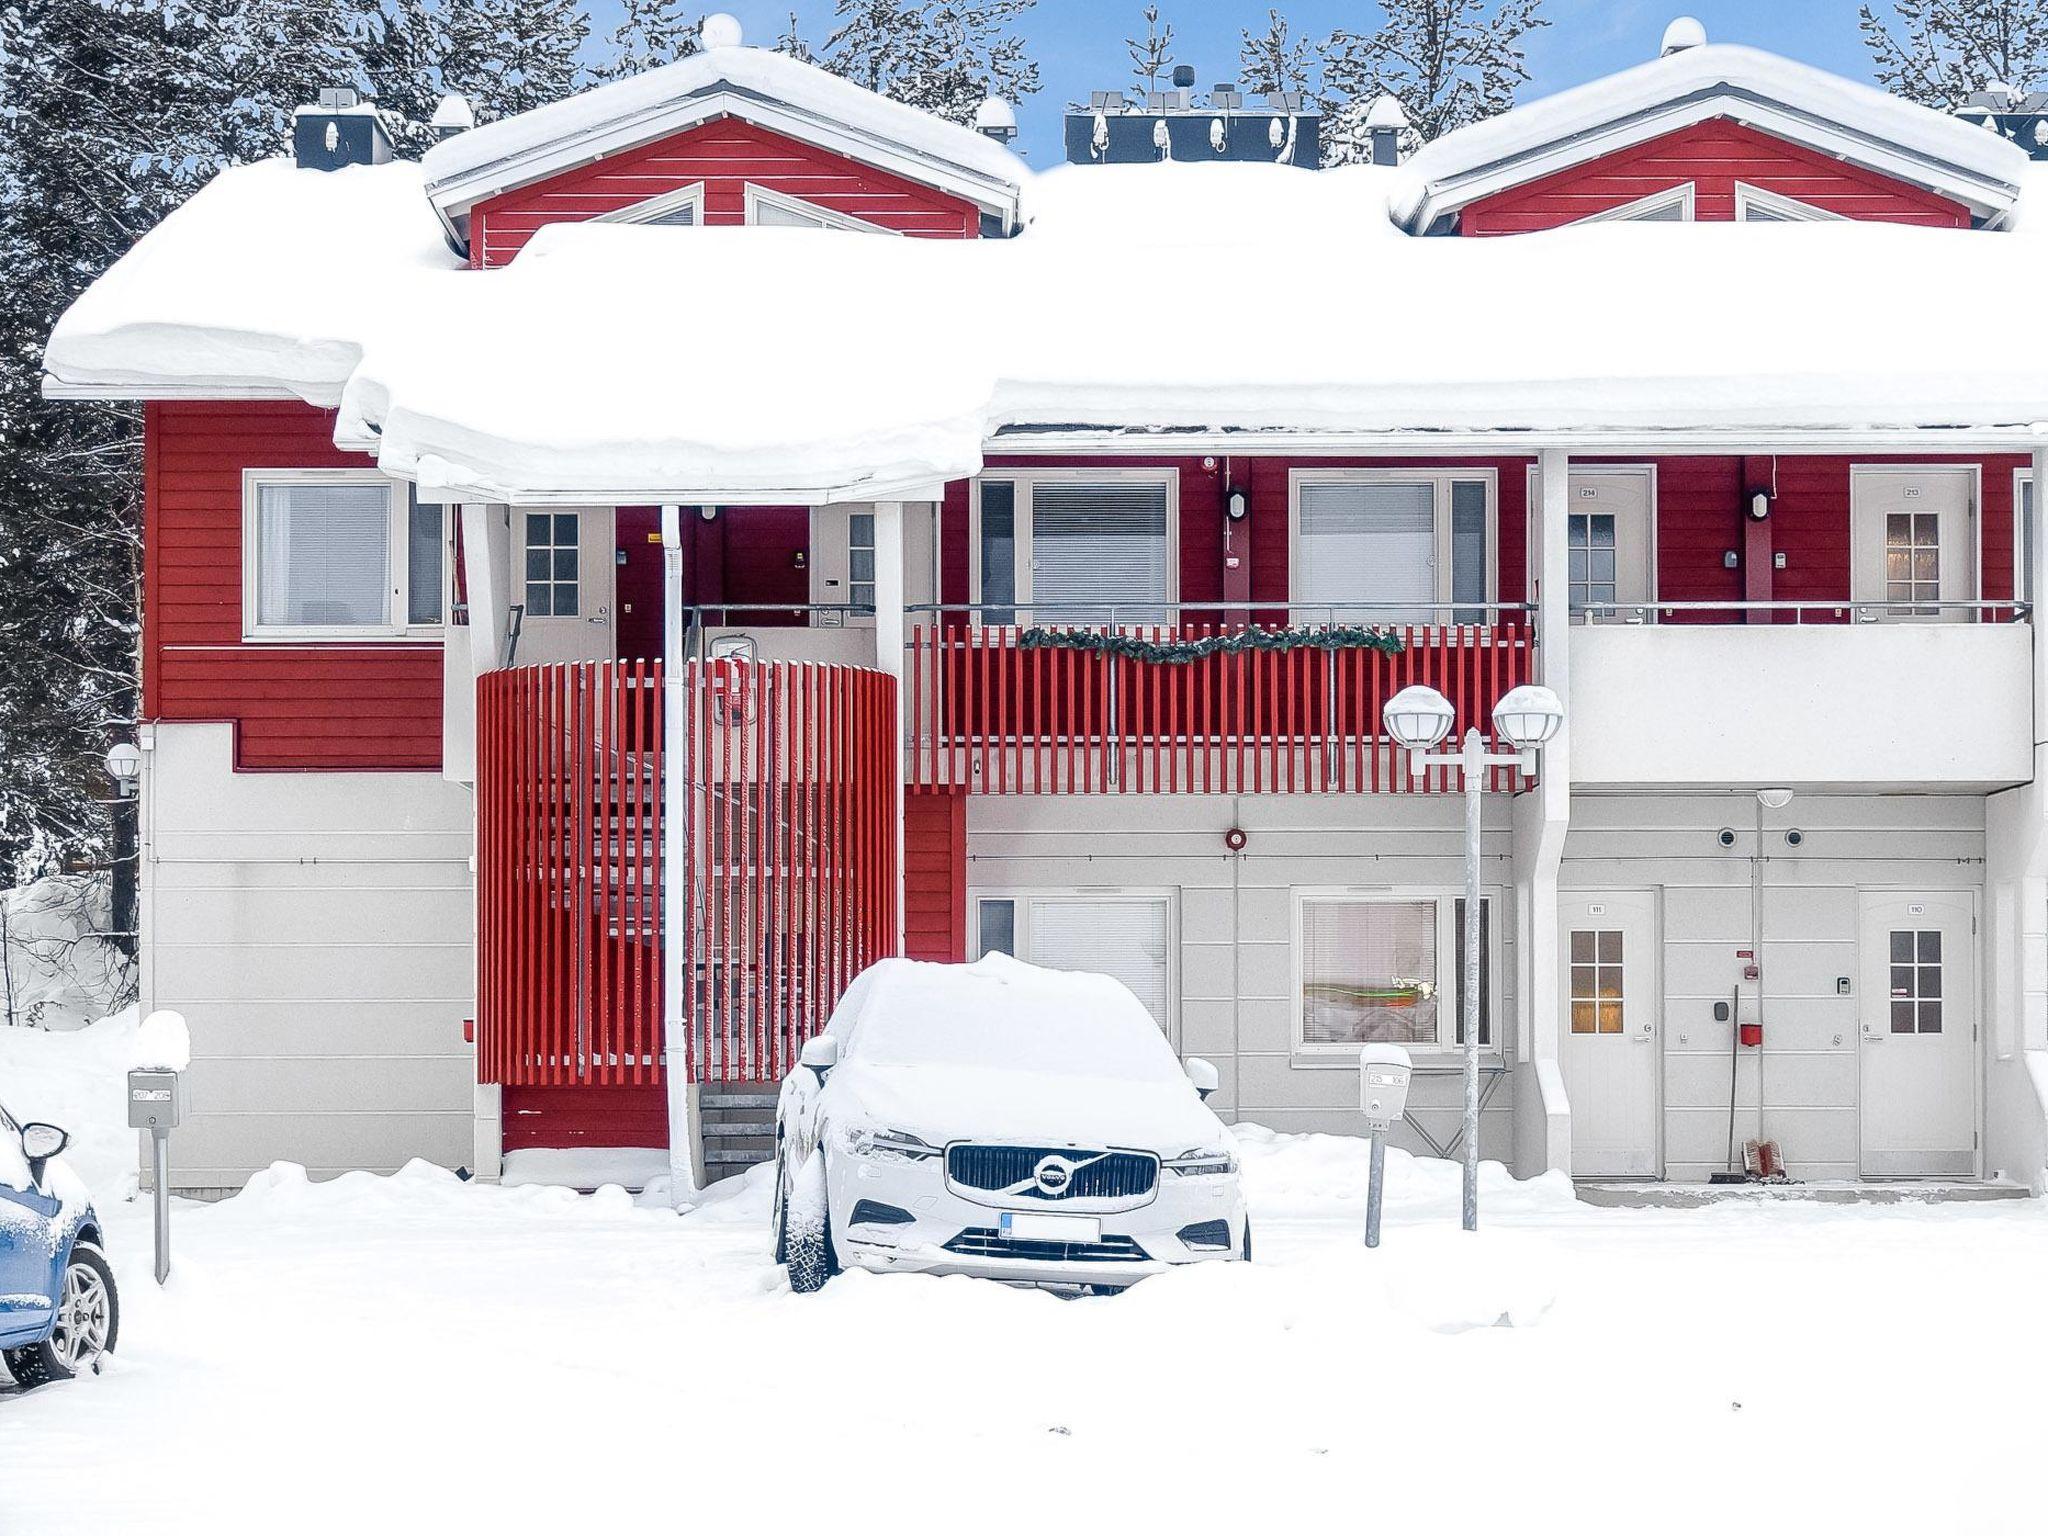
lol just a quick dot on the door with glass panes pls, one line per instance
(1912, 542)
(1919, 1035)
(565, 559)
(1607, 546)
(1610, 1051)
(1122, 935)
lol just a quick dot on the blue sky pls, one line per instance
(1079, 44)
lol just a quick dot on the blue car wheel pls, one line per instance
(87, 1327)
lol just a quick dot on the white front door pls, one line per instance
(1912, 544)
(1608, 545)
(563, 561)
(1919, 1045)
(1607, 965)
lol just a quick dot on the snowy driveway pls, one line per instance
(407, 1354)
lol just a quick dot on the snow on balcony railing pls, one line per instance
(1043, 708)
(1947, 612)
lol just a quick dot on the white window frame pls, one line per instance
(759, 197)
(1021, 898)
(395, 625)
(1446, 1052)
(1441, 479)
(691, 197)
(1786, 208)
(2022, 570)
(1026, 480)
(1685, 196)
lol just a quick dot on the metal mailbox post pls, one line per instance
(1383, 1073)
(156, 1102)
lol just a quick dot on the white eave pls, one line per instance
(771, 92)
(1850, 122)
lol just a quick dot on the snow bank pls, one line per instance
(77, 1079)
(586, 1167)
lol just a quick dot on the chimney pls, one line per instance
(996, 119)
(1384, 124)
(339, 130)
(454, 115)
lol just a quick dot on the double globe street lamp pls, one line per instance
(1419, 718)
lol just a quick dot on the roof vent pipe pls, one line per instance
(454, 115)
(1686, 32)
(720, 30)
(996, 119)
(1385, 122)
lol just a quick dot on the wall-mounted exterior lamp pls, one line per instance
(1237, 505)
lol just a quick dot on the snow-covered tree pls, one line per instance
(793, 44)
(651, 33)
(1450, 62)
(1275, 60)
(510, 56)
(1152, 54)
(1944, 51)
(944, 56)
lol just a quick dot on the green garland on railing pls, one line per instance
(1236, 642)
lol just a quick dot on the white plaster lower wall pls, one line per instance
(315, 931)
(1232, 981)
(1808, 1067)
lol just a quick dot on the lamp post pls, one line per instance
(1419, 718)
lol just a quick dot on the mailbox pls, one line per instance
(155, 1100)
(1383, 1073)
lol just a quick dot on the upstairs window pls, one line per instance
(2023, 537)
(684, 206)
(340, 554)
(1753, 205)
(782, 211)
(1392, 546)
(1673, 206)
(1084, 548)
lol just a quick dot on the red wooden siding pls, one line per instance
(582, 1116)
(1713, 156)
(935, 876)
(748, 554)
(724, 156)
(340, 706)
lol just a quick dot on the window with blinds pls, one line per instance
(1392, 549)
(1099, 552)
(1124, 939)
(323, 554)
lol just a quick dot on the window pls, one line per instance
(2023, 538)
(1400, 541)
(552, 542)
(1093, 548)
(1674, 206)
(684, 206)
(1753, 205)
(860, 561)
(1119, 935)
(1598, 1004)
(1592, 559)
(780, 210)
(1912, 560)
(1388, 970)
(1916, 981)
(339, 554)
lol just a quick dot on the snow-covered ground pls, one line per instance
(411, 1353)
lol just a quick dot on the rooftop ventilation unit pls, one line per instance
(1182, 124)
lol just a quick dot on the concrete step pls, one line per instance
(746, 1098)
(726, 1130)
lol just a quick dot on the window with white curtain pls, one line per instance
(1081, 549)
(1125, 936)
(1388, 969)
(1392, 546)
(339, 554)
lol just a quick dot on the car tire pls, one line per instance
(88, 1324)
(806, 1240)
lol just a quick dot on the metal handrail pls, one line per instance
(697, 624)
(1393, 612)
(1862, 612)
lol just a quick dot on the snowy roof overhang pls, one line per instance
(767, 89)
(1842, 118)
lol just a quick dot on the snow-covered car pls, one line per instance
(1000, 1120)
(59, 1311)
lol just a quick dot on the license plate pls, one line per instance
(1030, 1227)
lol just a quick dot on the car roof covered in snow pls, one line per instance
(852, 366)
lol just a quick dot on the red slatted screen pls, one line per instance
(789, 879)
(987, 714)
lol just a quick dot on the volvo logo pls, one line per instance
(1053, 1174)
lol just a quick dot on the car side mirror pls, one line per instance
(820, 1054)
(41, 1142)
(1203, 1075)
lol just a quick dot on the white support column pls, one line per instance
(889, 600)
(467, 653)
(487, 580)
(2016, 877)
(1542, 1114)
(677, 800)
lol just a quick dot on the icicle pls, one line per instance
(1219, 137)
(1286, 154)
(1162, 140)
(1098, 143)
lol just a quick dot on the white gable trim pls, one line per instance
(1989, 199)
(759, 197)
(456, 194)
(1781, 206)
(691, 197)
(1684, 197)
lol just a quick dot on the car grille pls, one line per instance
(988, 1243)
(1011, 1171)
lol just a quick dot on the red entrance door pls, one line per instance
(638, 590)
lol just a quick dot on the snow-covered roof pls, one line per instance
(1843, 117)
(762, 87)
(1161, 302)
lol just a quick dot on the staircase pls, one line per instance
(737, 1124)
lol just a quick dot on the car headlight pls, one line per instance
(1203, 1160)
(889, 1146)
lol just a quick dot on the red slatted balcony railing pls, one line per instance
(988, 711)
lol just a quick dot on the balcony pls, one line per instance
(1803, 694)
(1050, 708)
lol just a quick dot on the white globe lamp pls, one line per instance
(1418, 717)
(1528, 716)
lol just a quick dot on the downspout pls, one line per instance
(677, 798)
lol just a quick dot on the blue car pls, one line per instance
(59, 1312)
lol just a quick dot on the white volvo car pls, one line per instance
(1000, 1120)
